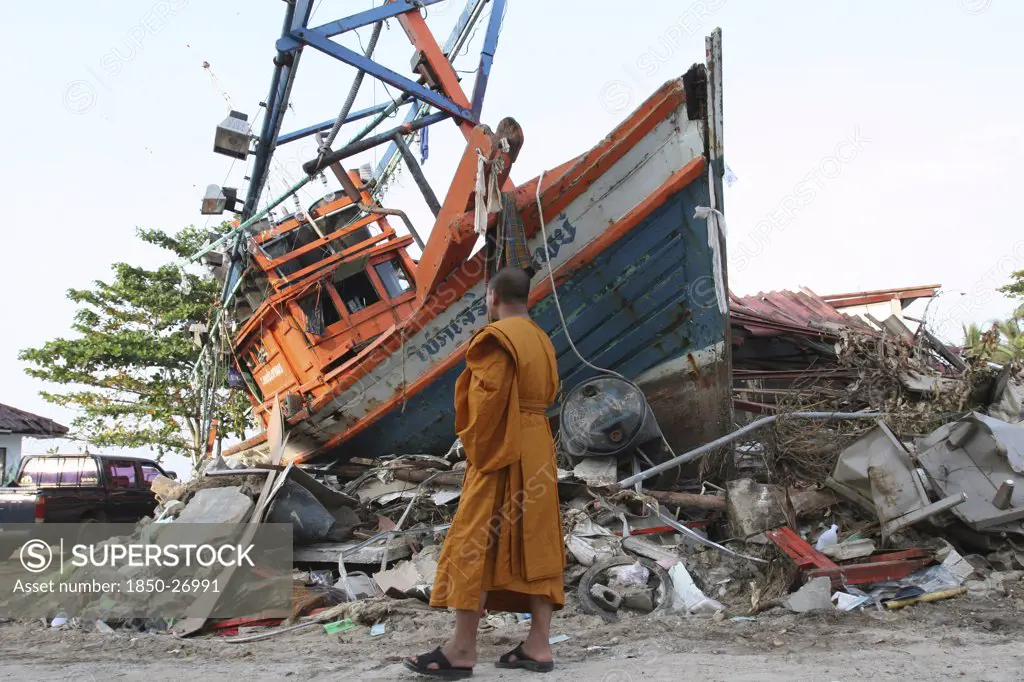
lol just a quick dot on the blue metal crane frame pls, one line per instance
(296, 34)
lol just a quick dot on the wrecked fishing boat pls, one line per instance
(330, 312)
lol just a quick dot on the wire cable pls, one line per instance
(554, 290)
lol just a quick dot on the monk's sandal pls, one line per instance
(524, 662)
(444, 670)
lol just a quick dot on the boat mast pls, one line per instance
(433, 96)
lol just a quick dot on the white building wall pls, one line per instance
(12, 442)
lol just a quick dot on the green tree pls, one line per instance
(974, 339)
(129, 368)
(1002, 343)
(1015, 288)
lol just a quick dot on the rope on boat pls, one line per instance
(554, 290)
(353, 91)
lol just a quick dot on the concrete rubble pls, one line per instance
(815, 595)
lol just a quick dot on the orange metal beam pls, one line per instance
(422, 39)
(453, 237)
(456, 202)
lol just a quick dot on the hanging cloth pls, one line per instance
(516, 251)
(716, 235)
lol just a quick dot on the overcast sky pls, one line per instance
(875, 144)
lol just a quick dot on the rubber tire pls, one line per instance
(587, 603)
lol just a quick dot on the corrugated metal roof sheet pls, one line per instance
(19, 421)
(801, 312)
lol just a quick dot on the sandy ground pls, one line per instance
(967, 638)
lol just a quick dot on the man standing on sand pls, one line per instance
(504, 551)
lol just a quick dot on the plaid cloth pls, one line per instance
(516, 252)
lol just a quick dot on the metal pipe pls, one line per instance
(351, 191)
(728, 438)
(395, 212)
(690, 533)
(1003, 495)
(326, 125)
(490, 46)
(277, 103)
(316, 165)
(397, 533)
(417, 175)
(389, 111)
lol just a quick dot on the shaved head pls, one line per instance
(511, 285)
(507, 293)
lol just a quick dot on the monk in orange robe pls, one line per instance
(504, 551)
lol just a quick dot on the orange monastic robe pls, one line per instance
(506, 538)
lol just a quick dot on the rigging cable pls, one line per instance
(554, 289)
(353, 91)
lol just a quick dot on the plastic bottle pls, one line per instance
(828, 538)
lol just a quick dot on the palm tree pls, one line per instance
(1011, 339)
(972, 339)
(1002, 343)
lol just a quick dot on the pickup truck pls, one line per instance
(79, 488)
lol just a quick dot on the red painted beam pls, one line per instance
(879, 296)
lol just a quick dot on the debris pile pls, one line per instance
(917, 503)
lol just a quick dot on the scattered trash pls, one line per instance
(687, 597)
(228, 505)
(755, 507)
(929, 597)
(634, 574)
(557, 639)
(848, 602)
(369, 531)
(605, 597)
(827, 539)
(339, 626)
(850, 549)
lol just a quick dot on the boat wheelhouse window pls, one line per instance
(245, 366)
(292, 240)
(357, 292)
(340, 218)
(258, 353)
(319, 311)
(393, 276)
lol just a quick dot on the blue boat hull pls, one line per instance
(644, 307)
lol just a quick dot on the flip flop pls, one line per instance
(445, 670)
(523, 661)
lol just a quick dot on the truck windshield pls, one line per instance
(59, 471)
